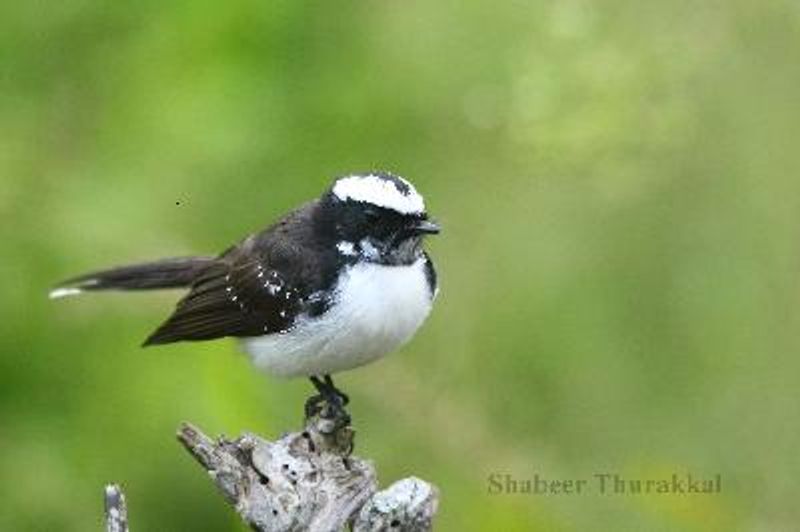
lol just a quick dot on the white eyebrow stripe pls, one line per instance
(380, 192)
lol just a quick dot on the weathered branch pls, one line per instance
(408, 504)
(116, 510)
(305, 480)
(309, 481)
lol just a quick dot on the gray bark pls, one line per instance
(116, 510)
(305, 480)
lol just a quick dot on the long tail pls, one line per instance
(166, 273)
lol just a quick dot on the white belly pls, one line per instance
(376, 309)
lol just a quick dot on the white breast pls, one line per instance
(376, 309)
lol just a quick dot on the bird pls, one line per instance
(337, 283)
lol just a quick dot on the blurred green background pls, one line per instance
(618, 182)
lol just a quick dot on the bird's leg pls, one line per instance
(313, 402)
(342, 396)
(329, 391)
(312, 405)
(331, 396)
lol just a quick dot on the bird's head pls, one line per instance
(378, 217)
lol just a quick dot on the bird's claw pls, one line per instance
(328, 404)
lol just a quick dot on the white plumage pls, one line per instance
(376, 309)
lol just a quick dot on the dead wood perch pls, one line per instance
(304, 481)
(309, 481)
(116, 511)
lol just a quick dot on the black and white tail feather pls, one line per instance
(183, 272)
(238, 293)
(166, 273)
(356, 251)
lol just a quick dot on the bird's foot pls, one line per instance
(342, 398)
(314, 405)
(326, 413)
(329, 404)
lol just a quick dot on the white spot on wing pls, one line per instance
(380, 192)
(346, 248)
(377, 308)
(273, 289)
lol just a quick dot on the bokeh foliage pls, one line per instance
(618, 182)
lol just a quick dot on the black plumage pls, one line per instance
(258, 286)
(261, 285)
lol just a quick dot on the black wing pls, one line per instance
(240, 299)
(257, 287)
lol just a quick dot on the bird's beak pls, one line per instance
(426, 227)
